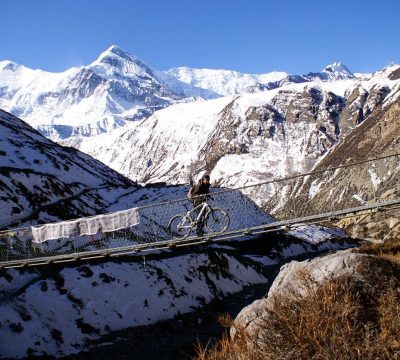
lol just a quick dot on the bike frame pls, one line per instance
(197, 219)
(203, 209)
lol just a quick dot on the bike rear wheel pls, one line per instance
(217, 220)
(179, 227)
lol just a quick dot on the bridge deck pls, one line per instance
(228, 235)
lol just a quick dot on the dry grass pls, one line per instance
(388, 247)
(352, 317)
(392, 257)
(389, 250)
(225, 348)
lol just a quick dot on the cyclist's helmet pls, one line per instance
(203, 175)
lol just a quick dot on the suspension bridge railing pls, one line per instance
(365, 183)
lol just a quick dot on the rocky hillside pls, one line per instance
(290, 279)
(249, 138)
(343, 305)
(377, 136)
(41, 180)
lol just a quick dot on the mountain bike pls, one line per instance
(215, 220)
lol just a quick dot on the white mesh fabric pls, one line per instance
(86, 226)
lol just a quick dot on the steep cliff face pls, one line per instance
(277, 134)
(375, 137)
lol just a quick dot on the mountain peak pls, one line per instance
(337, 71)
(9, 65)
(116, 62)
(114, 48)
(115, 51)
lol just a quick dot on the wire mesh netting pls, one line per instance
(322, 191)
(144, 225)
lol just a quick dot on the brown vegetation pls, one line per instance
(351, 317)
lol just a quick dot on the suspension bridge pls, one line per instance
(324, 196)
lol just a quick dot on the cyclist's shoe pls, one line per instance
(199, 232)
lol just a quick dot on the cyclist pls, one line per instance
(201, 188)
(198, 195)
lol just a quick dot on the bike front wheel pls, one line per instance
(179, 227)
(217, 220)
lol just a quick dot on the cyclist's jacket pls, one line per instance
(196, 190)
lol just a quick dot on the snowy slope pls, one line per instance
(225, 82)
(244, 139)
(89, 100)
(41, 180)
(118, 87)
(62, 310)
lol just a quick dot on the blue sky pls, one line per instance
(250, 36)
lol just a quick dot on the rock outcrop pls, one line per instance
(290, 280)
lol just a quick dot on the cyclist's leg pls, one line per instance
(201, 222)
(197, 212)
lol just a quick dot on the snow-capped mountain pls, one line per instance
(247, 138)
(225, 82)
(114, 89)
(118, 88)
(331, 73)
(336, 71)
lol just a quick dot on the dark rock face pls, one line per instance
(288, 111)
(395, 75)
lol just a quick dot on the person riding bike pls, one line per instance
(198, 195)
(201, 188)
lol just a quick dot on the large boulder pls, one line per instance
(289, 282)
